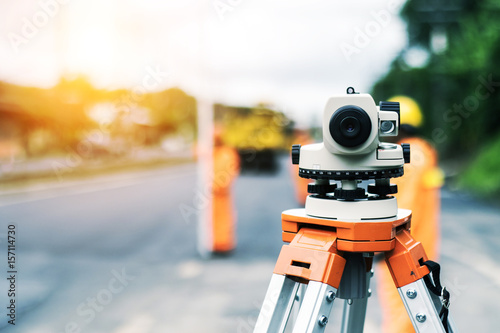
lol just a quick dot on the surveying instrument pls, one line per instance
(332, 241)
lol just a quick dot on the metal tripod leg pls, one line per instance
(407, 264)
(316, 308)
(452, 328)
(353, 318)
(277, 304)
(299, 298)
(421, 308)
(354, 314)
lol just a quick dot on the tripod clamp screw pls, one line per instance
(421, 317)
(330, 297)
(411, 293)
(323, 320)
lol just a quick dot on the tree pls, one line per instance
(458, 88)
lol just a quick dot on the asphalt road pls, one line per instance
(114, 254)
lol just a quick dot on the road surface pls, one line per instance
(114, 254)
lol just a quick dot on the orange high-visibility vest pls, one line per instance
(418, 190)
(299, 184)
(226, 167)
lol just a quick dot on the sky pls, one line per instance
(291, 54)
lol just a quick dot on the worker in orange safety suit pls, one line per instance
(226, 165)
(418, 190)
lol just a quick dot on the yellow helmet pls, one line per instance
(410, 111)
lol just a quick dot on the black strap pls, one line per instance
(434, 285)
(443, 314)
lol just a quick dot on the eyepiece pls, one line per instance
(387, 127)
(350, 126)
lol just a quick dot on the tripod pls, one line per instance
(334, 259)
(333, 239)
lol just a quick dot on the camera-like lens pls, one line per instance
(350, 126)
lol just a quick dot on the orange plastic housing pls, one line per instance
(405, 262)
(354, 236)
(312, 256)
(316, 246)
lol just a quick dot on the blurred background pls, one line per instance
(104, 107)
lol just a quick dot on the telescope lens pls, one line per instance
(350, 126)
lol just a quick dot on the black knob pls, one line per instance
(391, 106)
(295, 154)
(382, 190)
(406, 152)
(350, 195)
(321, 188)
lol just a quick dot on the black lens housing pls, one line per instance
(350, 126)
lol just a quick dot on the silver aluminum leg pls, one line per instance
(316, 308)
(297, 304)
(420, 307)
(452, 327)
(277, 305)
(353, 318)
(354, 314)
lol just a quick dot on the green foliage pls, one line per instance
(473, 48)
(483, 175)
(458, 89)
(461, 111)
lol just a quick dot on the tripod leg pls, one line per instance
(452, 328)
(420, 307)
(298, 303)
(277, 304)
(353, 318)
(408, 269)
(316, 308)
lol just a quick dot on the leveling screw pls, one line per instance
(323, 320)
